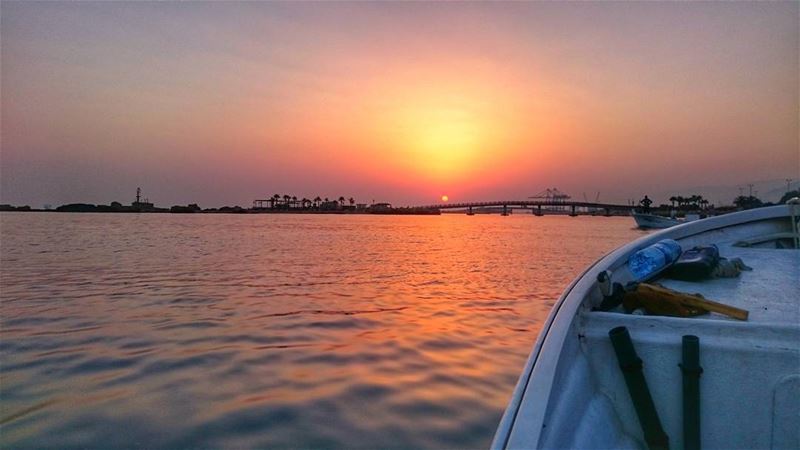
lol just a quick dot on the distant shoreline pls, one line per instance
(225, 210)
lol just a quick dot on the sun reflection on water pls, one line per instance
(275, 331)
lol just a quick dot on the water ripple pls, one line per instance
(255, 331)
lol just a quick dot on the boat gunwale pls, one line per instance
(554, 338)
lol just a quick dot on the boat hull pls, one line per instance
(651, 221)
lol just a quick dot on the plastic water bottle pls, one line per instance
(649, 261)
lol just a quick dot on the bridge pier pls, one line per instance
(539, 210)
(505, 210)
(469, 212)
(572, 212)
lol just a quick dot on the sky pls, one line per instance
(220, 103)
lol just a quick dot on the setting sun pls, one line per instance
(445, 198)
(437, 127)
(441, 141)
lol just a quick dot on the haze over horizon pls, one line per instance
(221, 103)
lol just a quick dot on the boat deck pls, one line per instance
(769, 292)
(748, 365)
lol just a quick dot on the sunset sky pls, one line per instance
(220, 103)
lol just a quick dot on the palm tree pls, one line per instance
(747, 202)
(696, 201)
(672, 200)
(275, 200)
(286, 199)
(294, 201)
(352, 201)
(316, 201)
(304, 202)
(341, 201)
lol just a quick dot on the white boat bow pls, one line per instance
(571, 393)
(653, 221)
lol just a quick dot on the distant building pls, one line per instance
(140, 205)
(143, 206)
(331, 205)
(380, 206)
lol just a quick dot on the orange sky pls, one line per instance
(220, 103)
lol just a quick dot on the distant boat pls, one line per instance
(572, 392)
(649, 221)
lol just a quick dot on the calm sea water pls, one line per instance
(224, 331)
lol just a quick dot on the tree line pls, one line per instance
(287, 202)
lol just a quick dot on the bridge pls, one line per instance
(558, 202)
(537, 207)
